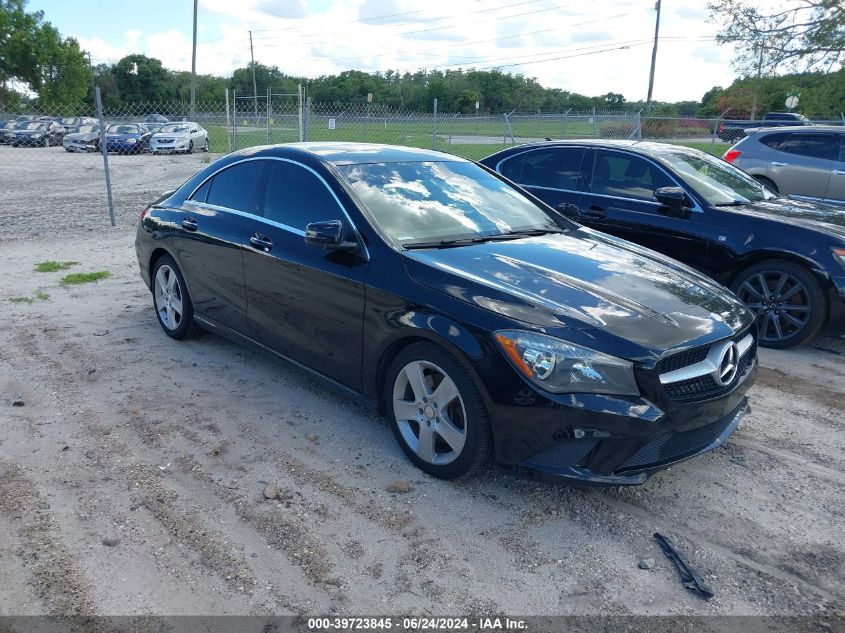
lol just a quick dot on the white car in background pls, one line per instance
(184, 136)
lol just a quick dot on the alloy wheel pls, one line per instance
(780, 302)
(168, 297)
(429, 412)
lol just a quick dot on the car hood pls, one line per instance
(590, 283)
(82, 136)
(122, 137)
(160, 135)
(829, 218)
(30, 132)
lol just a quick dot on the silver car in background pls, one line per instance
(85, 138)
(806, 163)
(185, 136)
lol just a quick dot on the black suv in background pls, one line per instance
(784, 258)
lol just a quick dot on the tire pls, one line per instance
(190, 147)
(785, 284)
(457, 426)
(768, 183)
(165, 305)
(205, 146)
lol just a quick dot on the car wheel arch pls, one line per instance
(409, 336)
(755, 257)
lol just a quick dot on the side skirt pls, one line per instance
(236, 337)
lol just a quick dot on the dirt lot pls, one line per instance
(131, 479)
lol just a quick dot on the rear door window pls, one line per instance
(822, 146)
(237, 187)
(773, 140)
(555, 168)
(626, 176)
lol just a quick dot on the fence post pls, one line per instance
(593, 120)
(715, 132)
(299, 104)
(228, 124)
(307, 134)
(434, 126)
(105, 151)
(267, 113)
(509, 129)
(234, 119)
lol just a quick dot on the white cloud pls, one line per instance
(314, 39)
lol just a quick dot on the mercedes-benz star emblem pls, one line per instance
(728, 364)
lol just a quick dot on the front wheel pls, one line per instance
(205, 146)
(190, 147)
(768, 183)
(436, 412)
(788, 301)
(172, 301)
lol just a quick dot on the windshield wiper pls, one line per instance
(510, 235)
(733, 203)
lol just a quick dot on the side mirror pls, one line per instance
(674, 199)
(328, 235)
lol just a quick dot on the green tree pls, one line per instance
(18, 46)
(143, 79)
(803, 35)
(64, 74)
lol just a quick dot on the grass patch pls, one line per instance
(42, 295)
(84, 278)
(52, 267)
(21, 299)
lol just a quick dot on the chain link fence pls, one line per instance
(249, 120)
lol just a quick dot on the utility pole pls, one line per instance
(254, 87)
(194, 65)
(757, 87)
(653, 56)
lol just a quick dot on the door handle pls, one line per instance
(595, 212)
(779, 164)
(261, 242)
(189, 224)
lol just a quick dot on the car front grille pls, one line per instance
(670, 446)
(705, 386)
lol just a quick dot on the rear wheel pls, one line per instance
(190, 147)
(436, 412)
(205, 145)
(788, 301)
(768, 183)
(172, 302)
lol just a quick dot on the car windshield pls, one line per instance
(34, 126)
(421, 202)
(717, 182)
(120, 128)
(174, 129)
(68, 120)
(87, 128)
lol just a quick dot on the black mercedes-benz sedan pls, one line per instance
(477, 319)
(784, 258)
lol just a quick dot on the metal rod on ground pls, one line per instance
(228, 124)
(653, 57)
(254, 88)
(105, 151)
(194, 65)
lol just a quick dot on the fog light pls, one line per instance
(541, 363)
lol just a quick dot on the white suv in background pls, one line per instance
(184, 136)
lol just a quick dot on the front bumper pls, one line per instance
(122, 147)
(615, 440)
(657, 454)
(80, 146)
(169, 148)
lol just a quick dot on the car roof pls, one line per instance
(644, 147)
(798, 129)
(356, 153)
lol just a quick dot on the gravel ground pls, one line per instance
(132, 479)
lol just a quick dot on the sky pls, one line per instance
(590, 48)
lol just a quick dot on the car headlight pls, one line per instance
(839, 256)
(561, 367)
(131, 141)
(36, 136)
